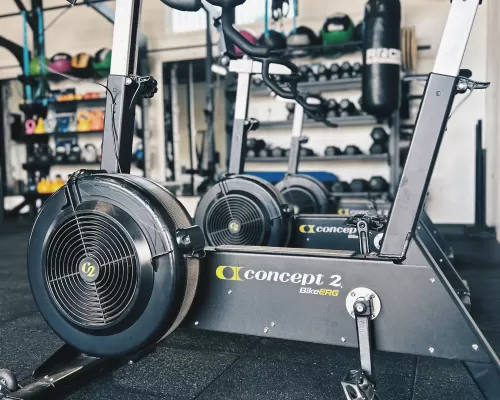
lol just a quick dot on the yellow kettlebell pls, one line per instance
(43, 186)
(40, 126)
(56, 184)
(83, 121)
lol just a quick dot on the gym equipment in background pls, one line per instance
(359, 185)
(378, 184)
(242, 209)
(89, 153)
(101, 62)
(404, 283)
(248, 36)
(337, 29)
(61, 63)
(358, 31)
(83, 121)
(36, 67)
(300, 38)
(75, 153)
(381, 57)
(332, 151)
(347, 108)
(380, 141)
(96, 120)
(273, 40)
(40, 126)
(352, 150)
(29, 127)
(341, 187)
(81, 65)
(304, 193)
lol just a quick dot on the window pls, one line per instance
(250, 12)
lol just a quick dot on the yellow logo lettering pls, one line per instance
(88, 269)
(234, 276)
(307, 228)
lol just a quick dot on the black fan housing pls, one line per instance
(104, 265)
(244, 210)
(305, 194)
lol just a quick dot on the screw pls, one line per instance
(128, 81)
(272, 324)
(475, 347)
(353, 294)
(52, 379)
(434, 232)
(196, 322)
(46, 377)
(440, 260)
(130, 362)
(418, 227)
(342, 340)
(229, 292)
(431, 349)
(352, 313)
(362, 225)
(360, 308)
(432, 280)
(438, 93)
(266, 329)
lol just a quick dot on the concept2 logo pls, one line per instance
(309, 283)
(88, 269)
(327, 229)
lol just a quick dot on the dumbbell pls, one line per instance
(356, 69)
(306, 152)
(379, 135)
(341, 187)
(332, 151)
(254, 146)
(380, 139)
(257, 80)
(345, 70)
(277, 152)
(307, 73)
(352, 150)
(359, 185)
(335, 71)
(347, 108)
(378, 148)
(378, 184)
(333, 108)
(323, 73)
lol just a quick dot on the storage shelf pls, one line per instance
(316, 87)
(358, 120)
(359, 157)
(43, 167)
(43, 136)
(359, 194)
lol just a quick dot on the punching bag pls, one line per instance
(382, 57)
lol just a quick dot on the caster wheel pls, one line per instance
(8, 380)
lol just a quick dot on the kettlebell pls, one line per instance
(83, 121)
(57, 184)
(44, 186)
(89, 153)
(40, 126)
(30, 126)
(96, 120)
(75, 154)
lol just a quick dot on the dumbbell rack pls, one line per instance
(316, 87)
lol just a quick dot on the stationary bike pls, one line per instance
(114, 260)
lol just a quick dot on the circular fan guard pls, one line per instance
(91, 236)
(233, 210)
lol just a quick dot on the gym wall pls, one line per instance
(451, 198)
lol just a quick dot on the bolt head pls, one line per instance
(438, 93)
(273, 324)
(229, 292)
(432, 280)
(353, 294)
(475, 347)
(196, 322)
(360, 308)
(431, 349)
(266, 329)
(342, 340)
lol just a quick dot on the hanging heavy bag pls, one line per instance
(381, 57)
(101, 63)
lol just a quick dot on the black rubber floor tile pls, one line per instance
(173, 373)
(303, 352)
(453, 390)
(441, 369)
(107, 391)
(15, 304)
(218, 342)
(264, 378)
(25, 343)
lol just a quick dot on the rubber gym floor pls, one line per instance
(207, 365)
